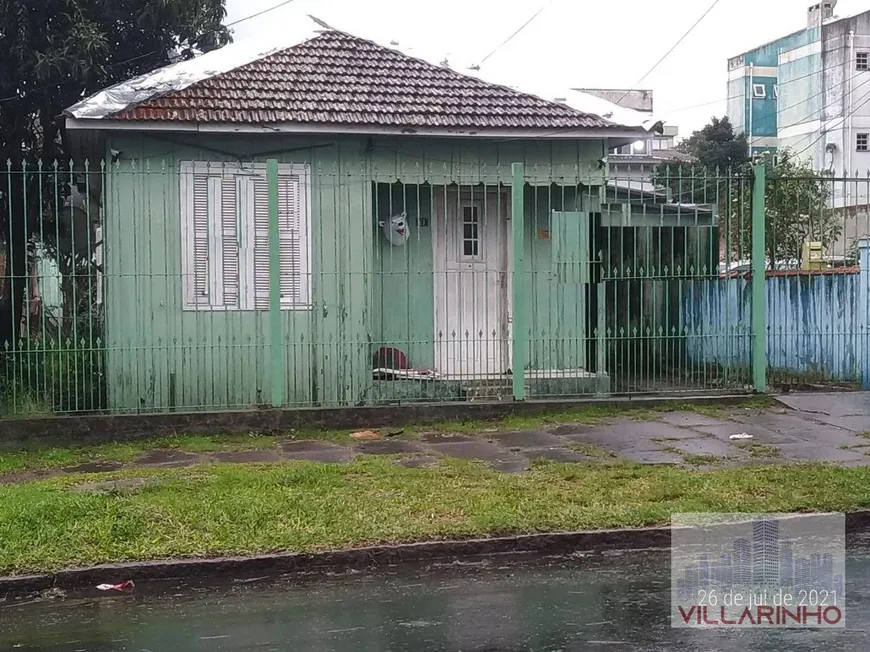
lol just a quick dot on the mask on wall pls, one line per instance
(396, 229)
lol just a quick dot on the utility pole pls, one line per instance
(751, 102)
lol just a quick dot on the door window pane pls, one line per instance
(470, 231)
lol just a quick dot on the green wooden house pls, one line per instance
(393, 244)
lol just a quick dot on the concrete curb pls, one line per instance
(356, 558)
(96, 429)
(224, 568)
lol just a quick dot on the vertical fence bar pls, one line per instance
(601, 336)
(276, 336)
(759, 298)
(8, 345)
(862, 322)
(520, 345)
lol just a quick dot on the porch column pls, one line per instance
(518, 276)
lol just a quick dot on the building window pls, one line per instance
(759, 92)
(225, 235)
(862, 142)
(862, 60)
(776, 91)
(470, 231)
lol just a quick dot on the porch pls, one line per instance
(487, 276)
(595, 278)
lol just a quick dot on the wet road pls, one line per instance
(556, 604)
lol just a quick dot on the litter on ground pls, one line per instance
(366, 434)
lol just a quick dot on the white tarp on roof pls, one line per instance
(575, 99)
(587, 103)
(175, 77)
(179, 76)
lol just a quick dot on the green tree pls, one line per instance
(715, 168)
(796, 211)
(53, 53)
(716, 146)
(702, 171)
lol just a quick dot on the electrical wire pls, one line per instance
(848, 115)
(822, 92)
(737, 97)
(693, 192)
(779, 111)
(690, 193)
(12, 98)
(259, 13)
(651, 70)
(673, 47)
(522, 27)
(812, 97)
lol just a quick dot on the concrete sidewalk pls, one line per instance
(806, 428)
(832, 428)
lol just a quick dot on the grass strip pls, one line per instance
(232, 509)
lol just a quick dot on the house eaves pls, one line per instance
(348, 130)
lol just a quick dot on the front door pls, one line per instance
(471, 289)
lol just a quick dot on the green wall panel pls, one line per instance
(404, 307)
(558, 321)
(365, 293)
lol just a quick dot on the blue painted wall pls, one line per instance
(768, 54)
(814, 324)
(765, 111)
(800, 90)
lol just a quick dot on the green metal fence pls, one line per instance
(801, 292)
(203, 285)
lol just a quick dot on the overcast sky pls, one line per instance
(578, 43)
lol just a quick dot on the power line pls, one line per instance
(744, 96)
(848, 115)
(12, 98)
(812, 97)
(702, 105)
(821, 92)
(781, 110)
(522, 27)
(864, 100)
(674, 47)
(259, 13)
(737, 97)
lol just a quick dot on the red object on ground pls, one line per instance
(390, 358)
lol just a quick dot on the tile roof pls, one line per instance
(673, 155)
(339, 79)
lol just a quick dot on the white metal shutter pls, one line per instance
(292, 242)
(292, 231)
(197, 274)
(261, 244)
(229, 236)
(210, 223)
